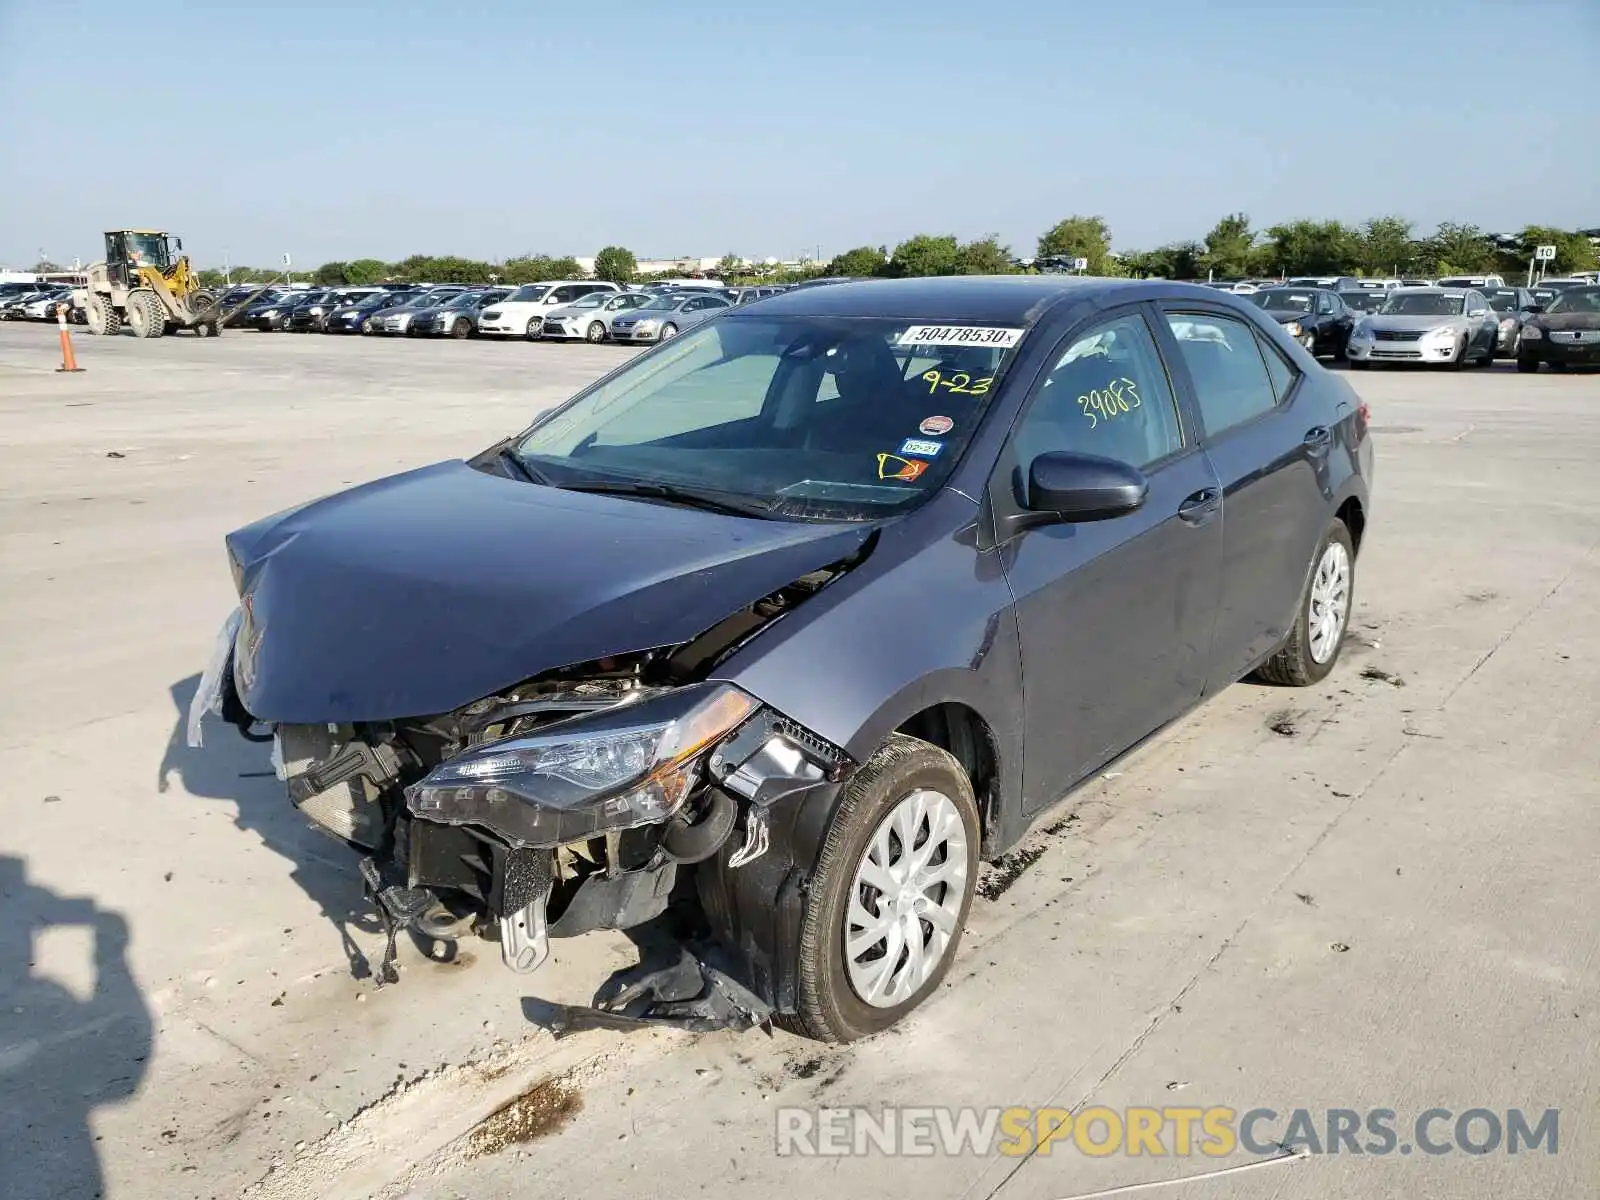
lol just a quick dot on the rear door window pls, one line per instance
(1230, 378)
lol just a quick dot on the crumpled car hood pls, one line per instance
(419, 593)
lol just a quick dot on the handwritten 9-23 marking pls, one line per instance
(1103, 404)
(957, 381)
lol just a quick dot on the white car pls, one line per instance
(522, 313)
(590, 317)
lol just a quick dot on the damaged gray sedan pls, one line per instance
(772, 635)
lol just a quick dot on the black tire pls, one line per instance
(204, 329)
(461, 329)
(669, 330)
(146, 316)
(531, 332)
(102, 319)
(1292, 665)
(596, 333)
(828, 1008)
(1527, 364)
(1358, 365)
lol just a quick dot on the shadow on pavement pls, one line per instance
(227, 767)
(64, 1050)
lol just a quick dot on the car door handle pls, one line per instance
(1318, 440)
(1201, 506)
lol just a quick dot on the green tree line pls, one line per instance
(1381, 246)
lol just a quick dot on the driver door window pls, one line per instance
(1106, 395)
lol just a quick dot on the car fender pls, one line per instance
(927, 619)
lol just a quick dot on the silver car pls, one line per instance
(667, 316)
(398, 320)
(1446, 326)
(590, 317)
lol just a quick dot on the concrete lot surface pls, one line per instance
(1376, 893)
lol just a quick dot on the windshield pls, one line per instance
(529, 292)
(1362, 301)
(663, 303)
(808, 416)
(1283, 301)
(1585, 300)
(592, 300)
(1503, 301)
(147, 249)
(1422, 304)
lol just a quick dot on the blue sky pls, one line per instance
(490, 128)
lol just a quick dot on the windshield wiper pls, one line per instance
(652, 490)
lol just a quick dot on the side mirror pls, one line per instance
(1067, 488)
(1534, 308)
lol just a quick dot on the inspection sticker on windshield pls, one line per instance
(960, 335)
(920, 448)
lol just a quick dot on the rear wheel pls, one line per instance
(596, 332)
(1313, 644)
(894, 881)
(102, 319)
(146, 316)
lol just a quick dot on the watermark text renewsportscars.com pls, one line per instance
(1165, 1131)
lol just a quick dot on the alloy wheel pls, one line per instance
(905, 900)
(1330, 602)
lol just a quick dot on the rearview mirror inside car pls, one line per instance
(1064, 487)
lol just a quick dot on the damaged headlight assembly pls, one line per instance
(631, 766)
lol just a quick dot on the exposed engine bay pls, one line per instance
(587, 798)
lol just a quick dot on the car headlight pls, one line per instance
(1531, 333)
(644, 326)
(1292, 329)
(1442, 335)
(629, 766)
(1362, 331)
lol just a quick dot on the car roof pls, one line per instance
(1434, 291)
(1010, 299)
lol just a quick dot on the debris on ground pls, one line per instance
(1379, 675)
(115, 454)
(541, 1110)
(1339, 947)
(1283, 725)
(1305, 898)
(1005, 870)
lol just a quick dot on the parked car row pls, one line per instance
(555, 310)
(37, 302)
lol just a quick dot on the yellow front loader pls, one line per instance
(146, 283)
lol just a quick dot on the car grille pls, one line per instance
(1396, 354)
(1396, 335)
(1576, 336)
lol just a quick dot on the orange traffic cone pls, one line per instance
(69, 361)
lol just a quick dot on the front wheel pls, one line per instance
(894, 881)
(668, 331)
(596, 333)
(1313, 644)
(1527, 364)
(461, 329)
(532, 331)
(146, 317)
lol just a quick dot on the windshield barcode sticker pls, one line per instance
(959, 335)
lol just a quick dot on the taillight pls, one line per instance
(1363, 416)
